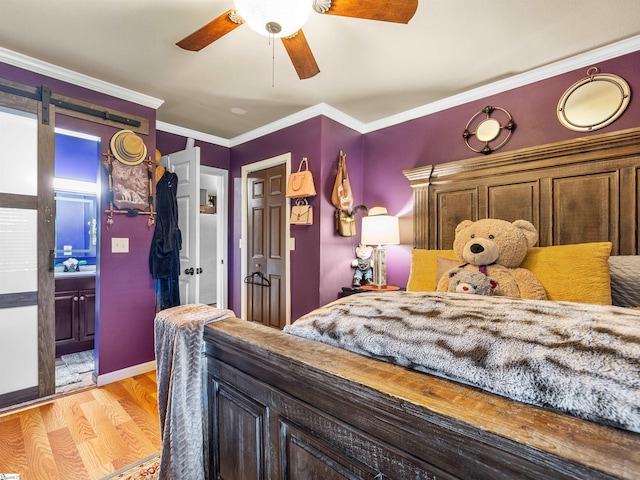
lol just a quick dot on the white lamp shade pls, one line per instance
(290, 15)
(380, 230)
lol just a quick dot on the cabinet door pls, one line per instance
(87, 314)
(239, 429)
(306, 456)
(66, 317)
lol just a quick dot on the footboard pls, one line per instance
(281, 407)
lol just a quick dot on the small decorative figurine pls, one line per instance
(363, 265)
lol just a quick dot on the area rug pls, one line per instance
(64, 376)
(145, 469)
(79, 362)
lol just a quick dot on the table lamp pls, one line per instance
(378, 229)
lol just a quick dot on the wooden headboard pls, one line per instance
(575, 191)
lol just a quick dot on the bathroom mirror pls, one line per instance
(593, 102)
(76, 228)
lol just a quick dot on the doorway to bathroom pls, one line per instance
(77, 193)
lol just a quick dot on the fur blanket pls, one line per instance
(178, 345)
(574, 358)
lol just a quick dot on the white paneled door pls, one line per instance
(186, 165)
(193, 271)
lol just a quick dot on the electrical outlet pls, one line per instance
(119, 245)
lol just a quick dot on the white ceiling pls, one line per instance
(369, 70)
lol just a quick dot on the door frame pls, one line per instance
(222, 210)
(223, 224)
(285, 158)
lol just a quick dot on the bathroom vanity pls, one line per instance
(75, 301)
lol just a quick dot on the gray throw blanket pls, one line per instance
(178, 345)
(569, 357)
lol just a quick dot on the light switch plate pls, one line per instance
(119, 245)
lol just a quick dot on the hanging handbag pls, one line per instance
(300, 184)
(345, 223)
(341, 196)
(301, 213)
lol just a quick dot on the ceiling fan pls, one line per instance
(260, 16)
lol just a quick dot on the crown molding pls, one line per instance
(188, 133)
(306, 114)
(38, 66)
(608, 52)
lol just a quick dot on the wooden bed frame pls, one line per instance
(577, 191)
(281, 406)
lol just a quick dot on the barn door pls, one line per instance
(27, 217)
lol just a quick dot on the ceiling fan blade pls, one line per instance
(301, 55)
(398, 11)
(211, 32)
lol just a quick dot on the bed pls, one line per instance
(307, 404)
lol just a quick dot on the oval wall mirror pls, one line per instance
(488, 130)
(594, 101)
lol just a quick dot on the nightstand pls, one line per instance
(346, 291)
(386, 288)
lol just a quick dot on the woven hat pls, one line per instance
(128, 147)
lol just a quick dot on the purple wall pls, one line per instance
(125, 292)
(210, 155)
(321, 262)
(302, 140)
(437, 138)
(336, 252)
(125, 289)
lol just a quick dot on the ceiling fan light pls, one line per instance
(265, 16)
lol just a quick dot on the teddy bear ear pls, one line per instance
(463, 224)
(494, 284)
(452, 273)
(529, 231)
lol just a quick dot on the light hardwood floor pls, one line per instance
(84, 435)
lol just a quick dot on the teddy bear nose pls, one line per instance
(476, 248)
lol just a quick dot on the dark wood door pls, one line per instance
(266, 246)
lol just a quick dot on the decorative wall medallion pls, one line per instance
(485, 127)
(594, 101)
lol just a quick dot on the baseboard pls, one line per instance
(125, 373)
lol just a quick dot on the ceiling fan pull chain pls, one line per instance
(273, 60)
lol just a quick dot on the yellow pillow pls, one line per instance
(573, 273)
(424, 265)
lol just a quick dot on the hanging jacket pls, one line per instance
(164, 256)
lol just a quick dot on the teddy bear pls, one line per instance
(363, 264)
(471, 282)
(497, 248)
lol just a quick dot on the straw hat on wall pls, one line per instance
(128, 148)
